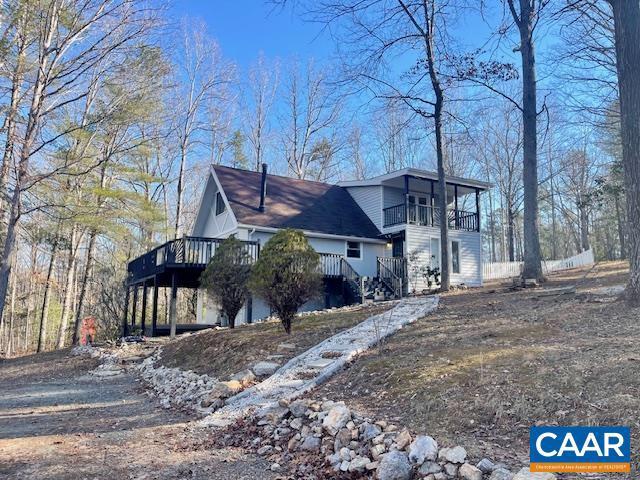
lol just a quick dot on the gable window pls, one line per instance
(455, 257)
(354, 250)
(220, 206)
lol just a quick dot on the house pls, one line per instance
(379, 234)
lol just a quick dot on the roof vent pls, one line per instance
(263, 187)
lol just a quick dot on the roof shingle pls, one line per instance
(293, 203)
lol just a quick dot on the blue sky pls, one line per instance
(244, 28)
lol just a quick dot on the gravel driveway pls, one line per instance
(58, 422)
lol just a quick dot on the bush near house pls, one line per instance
(287, 274)
(226, 277)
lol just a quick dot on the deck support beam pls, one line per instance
(478, 207)
(143, 315)
(125, 317)
(154, 307)
(172, 306)
(135, 306)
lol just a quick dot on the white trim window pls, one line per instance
(220, 206)
(354, 250)
(455, 256)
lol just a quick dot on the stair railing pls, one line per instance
(351, 277)
(391, 279)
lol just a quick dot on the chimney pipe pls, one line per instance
(263, 187)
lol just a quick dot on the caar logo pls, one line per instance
(580, 449)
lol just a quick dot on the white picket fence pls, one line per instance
(496, 270)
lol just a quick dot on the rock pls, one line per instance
(273, 415)
(213, 403)
(486, 465)
(263, 369)
(345, 454)
(298, 408)
(296, 424)
(403, 439)
(429, 467)
(370, 431)
(377, 451)
(293, 443)
(337, 418)
(234, 386)
(222, 390)
(245, 377)
(275, 467)
(423, 448)
(311, 444)
(344, 466)
(453, 455)
(501, 474)
(469, 472)
(372, 466)
(525, 474)
(451, 469)
(359, 464)
(265, 450)
(286, 347)
(394, 466)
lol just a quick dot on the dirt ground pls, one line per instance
(490, 363)
(221, 353)
(56, 422)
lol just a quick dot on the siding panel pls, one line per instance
(370, 201)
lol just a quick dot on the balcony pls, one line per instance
(428, 216)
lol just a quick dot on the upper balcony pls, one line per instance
(428, 216)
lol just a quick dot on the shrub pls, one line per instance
(226, 277)
(287, 274)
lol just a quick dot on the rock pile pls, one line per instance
(357, 446)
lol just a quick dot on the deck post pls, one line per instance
(172, 306)
(478, 208)
(143, 315)
(154, 307)
(125, 317)
(431, 202)
(455, 194)
(135, 305)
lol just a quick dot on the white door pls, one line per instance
(435, 253)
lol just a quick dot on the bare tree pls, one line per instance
(526, 15)
(262, 87)
(310, 113)
(201, 75)
(626, 14)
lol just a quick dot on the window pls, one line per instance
(455, 257)
(220, 206)
(354, 250)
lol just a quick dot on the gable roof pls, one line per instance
(293, 203)
(417, 173)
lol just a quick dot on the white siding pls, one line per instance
(208, 224)
(370, 252)
(418, 239)
(392, 196)
(370, 201)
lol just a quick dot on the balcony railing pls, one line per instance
(429, 216)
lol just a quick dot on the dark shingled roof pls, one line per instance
(293, 203)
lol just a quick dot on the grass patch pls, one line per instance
(221, 353)
(490, 363)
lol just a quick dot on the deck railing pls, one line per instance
(185, 251)
(198, 251)
(428, 216)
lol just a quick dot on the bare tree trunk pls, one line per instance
(511, 233)
(584, 225)
(83, 285)
(69, 287)
(30, 133)
(621, 228)
(526, 21)
(626, 14)
(46, 301)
